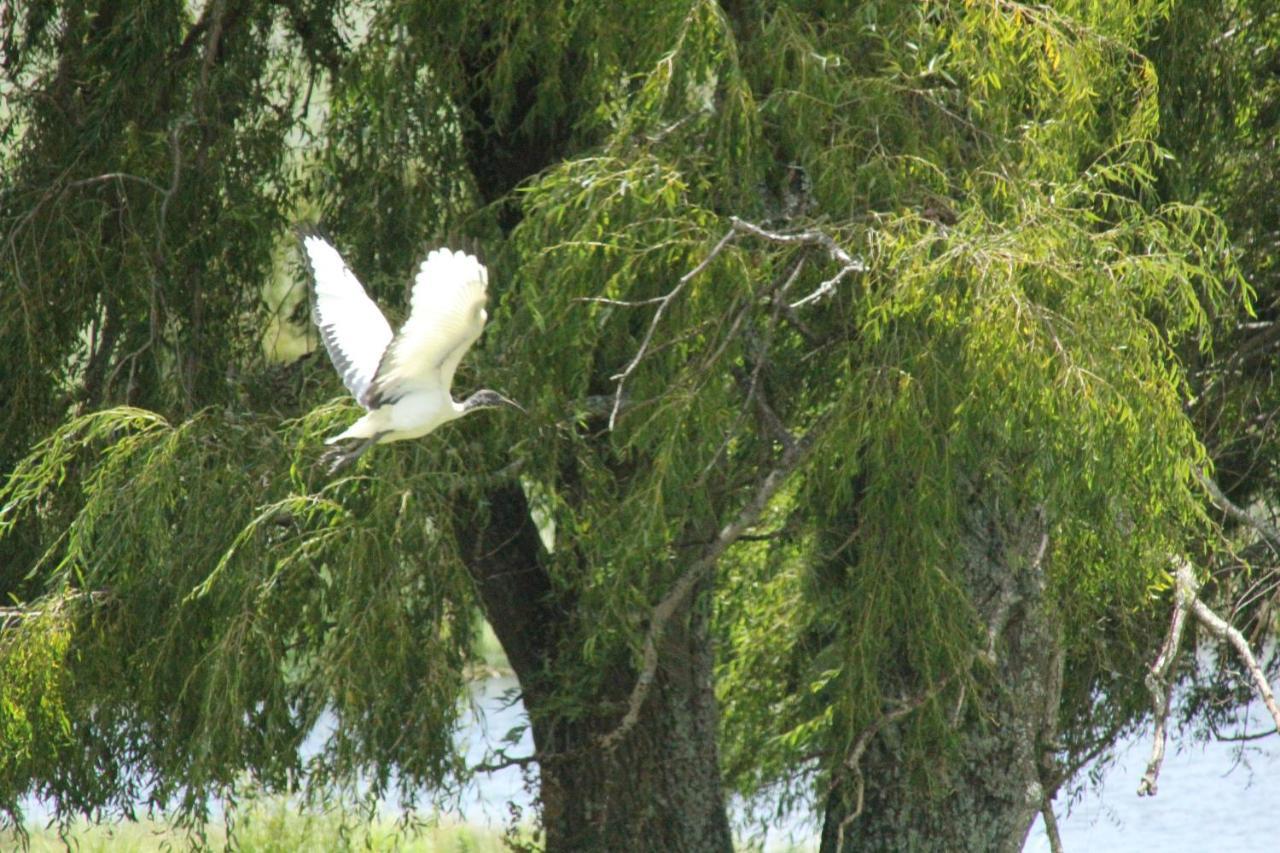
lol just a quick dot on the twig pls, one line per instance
(504, 763)
(624, 303)
(848, 264)
(680, 590)
(12, 615)
(1243, 738)
(1051, 826)
(1224, 503)
(1157, 681)
(853, 761)
(829, 286)
(1223, 630)
(663, 303)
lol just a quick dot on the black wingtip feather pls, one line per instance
(462, 243)
(303, 230)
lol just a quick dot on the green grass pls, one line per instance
(271, 826)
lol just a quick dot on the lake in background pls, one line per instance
(1213, 796)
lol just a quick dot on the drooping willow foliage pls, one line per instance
(188, 591)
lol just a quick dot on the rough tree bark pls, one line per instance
(659, 788)
(989, 792)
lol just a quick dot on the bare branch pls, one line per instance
(853, 761)
(12, 615)
(1051, 826)
(798, 238)
(828, 287)
(680, 590)
(1158, 683)
(1223, 630)
(504, 762)
(1266, 530)
(663, 303)
(848, 264)
(639, 303)
(1187, 599)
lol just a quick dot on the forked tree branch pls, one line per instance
(853, 761)
(679, 592)
(1186, 600)
(848, 264)
(793, 449)
(1264, 529)
(1223, 630)
(1161, 688)
(663, 303)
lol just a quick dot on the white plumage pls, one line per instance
(402, 380)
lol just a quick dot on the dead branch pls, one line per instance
(1223, 630)
(1051, 826)
(1158, 682)
(684, 585)
(1187, 599)
(663, 303)
(853, 761)
(1266, 530)
(848, 264)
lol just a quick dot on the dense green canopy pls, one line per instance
(799, 297)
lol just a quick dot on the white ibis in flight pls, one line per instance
(403, 379)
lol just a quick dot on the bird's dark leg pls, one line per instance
(338, 457)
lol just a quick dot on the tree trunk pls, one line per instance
(659, 788)
(989, 792)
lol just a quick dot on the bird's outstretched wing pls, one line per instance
(446, 315)
(353, 329)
